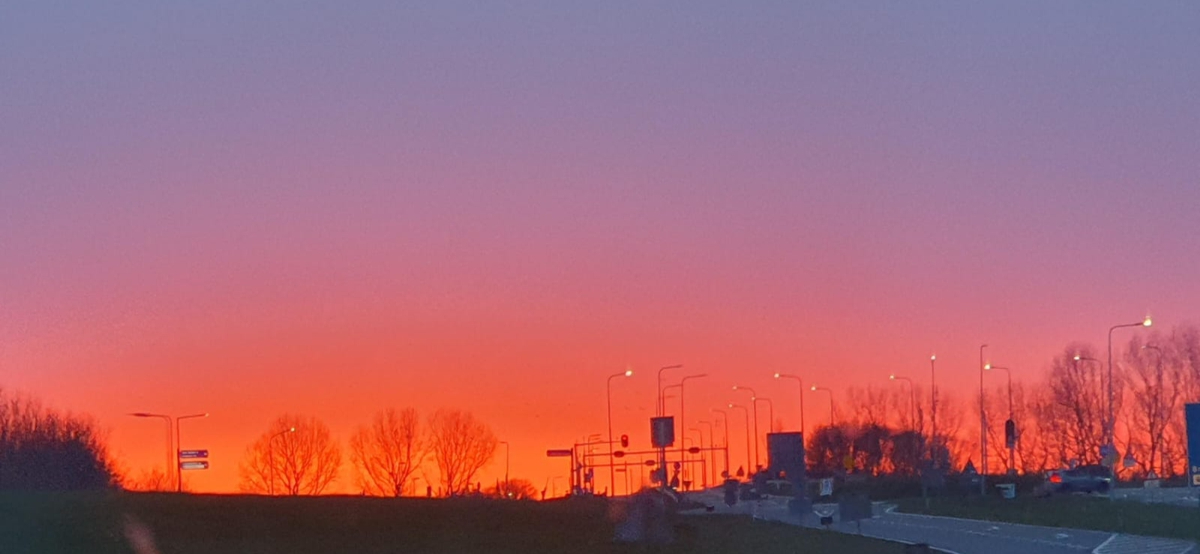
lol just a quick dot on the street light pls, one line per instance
(1011, 448)
(660, 389)
(507, 491)
(271, 457)
(179, 449)
(816, 388)
(746, 413)
(754, 406)
(170, 444)
(725, 425)
(933, 410)
(912, 401)
(770, 411)
(612, 472)
(800, 383)
(703, 474)
(712, 444)
(982, 430)
(1110, 426)
(682, 428)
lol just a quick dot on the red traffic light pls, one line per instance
(624, 441)
(694, 450)
(650, 463)
(619, 454)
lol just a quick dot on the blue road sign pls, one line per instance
(1191, 414)
(193, 453)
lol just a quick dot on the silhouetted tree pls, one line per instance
(388, 452)
(827, 449)
(153, 480)
(43, 449)
(461, 446)
(282, 461)
(515, 489)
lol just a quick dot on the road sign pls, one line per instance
(1192, 417)
(562, 453)
(969, 469)
(662, 431)
(848, 462)
(827, 486)
(193, 465)
(193, 453)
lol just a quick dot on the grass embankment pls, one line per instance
(1078, 512)
(62, 523)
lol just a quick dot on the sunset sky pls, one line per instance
(251, 208)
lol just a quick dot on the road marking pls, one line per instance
(1133, 544)
(931, 547)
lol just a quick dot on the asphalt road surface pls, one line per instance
(964, 536)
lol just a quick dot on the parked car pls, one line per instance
(1083, 479)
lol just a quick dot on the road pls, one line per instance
(964, 536)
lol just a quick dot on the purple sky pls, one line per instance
(812, 185)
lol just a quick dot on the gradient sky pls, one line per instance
(249, 208)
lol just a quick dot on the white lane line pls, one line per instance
(1134, 544)
(1104, 544)
(932, 547)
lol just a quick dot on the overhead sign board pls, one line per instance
(193, 453)
(662, 431)
(1192, 416)
(193, 465)
(559, 453)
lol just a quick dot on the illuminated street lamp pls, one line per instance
(271, 458)
(1110, 425)
(612, 473)
(912, 393)
(1011, 449)
(660, 387)
(800, 383)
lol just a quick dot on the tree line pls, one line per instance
(1059, 417)
(297, 455)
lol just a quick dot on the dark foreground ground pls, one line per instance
(208, 524)
(1078, 512)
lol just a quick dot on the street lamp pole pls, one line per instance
(1110, 428)
(754, 406)
(682, 428)
(271, 458)
(506, 452)
(745, 412)
(725, 425)
(1012, 462)
(830, 392)
(170, 443)
(612, 472)
(179, 450)
(712, 444)
(660, 387)
(800, 383)
(703, 474)
(982, 430)
(912, 400)
(933, 436)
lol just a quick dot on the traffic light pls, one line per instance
(624, 441)
(1010, 433)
